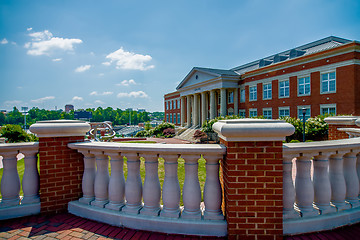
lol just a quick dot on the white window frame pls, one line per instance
(299, 112)
(285, 87)
(267, 110)
(327, 106)
(253, 94)
(284, 109)
(242, 95)
(303, 86)
(231, 97)
(267, 97)
(328, 82)
(178, 118)
(253, 110)
(242, 113)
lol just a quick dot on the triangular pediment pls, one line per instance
(196, 77)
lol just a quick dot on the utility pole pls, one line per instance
(24, 110)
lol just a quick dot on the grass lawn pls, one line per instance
(161, 171)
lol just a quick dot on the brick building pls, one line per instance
(321, 76)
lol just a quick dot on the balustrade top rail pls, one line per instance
(9, 147)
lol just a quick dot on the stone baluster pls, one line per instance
(10, 182)
(288, 189)
(322, 185)
(88, 179)
(117, 182)
(191, 189)
(101, 184)
(152, 189)
(351, 179)
(30, 181)
(133, 185)
(304, 187)
(171, 187)
(212, 189)
(337, 181)
(358, 169)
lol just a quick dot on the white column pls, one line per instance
(10, 182)
(182, 103)
(203, 108)
(188, 110)
(322, 185)
(236, 101)
(191, 189)
(351, 179)
(337, 180)
(212, 104)
(117, 182)
(212, 189)
(223, 100)
(304, 187)
(195, 110)
(288, 189)
(30, 181)
(152, 189)
(101, 184)
(171, 187)
(133, 185)
(88, 179)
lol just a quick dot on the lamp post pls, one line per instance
(303, 113)
(24, 110)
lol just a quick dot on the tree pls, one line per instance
(14, 133)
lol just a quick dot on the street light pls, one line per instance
(24, 110)
(303, 112)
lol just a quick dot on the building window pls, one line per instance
(219, 98)
(304, 86)
(178, 117)
(328, 82)
(167, 117)
(178, 103)
(253, 93)
(329, 109)
(307, 114)
(230, 111)
(174, 118)
(284, 112)
(170, 118)
(231, 97)
(167, 105)
(242, 113)
(267, 113)
(284, 89)
(267, 91)
(253, 112)
(242, 95)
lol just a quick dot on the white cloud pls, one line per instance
(43, 43)
(106, 63)
(41, 100)
(101, 74)
(83, 68)
(4, 41)
(12, 103)
(127, 83)
(138, 94)
(29, 29)
(129, 60)
(77, 98)
(57, 59)
(95, 93)
(99, 102)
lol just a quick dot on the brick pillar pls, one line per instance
(253, 176)
(61, 168)
(340, 122)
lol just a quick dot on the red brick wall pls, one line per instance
(252, 178)
(61, 170)
(334, 134)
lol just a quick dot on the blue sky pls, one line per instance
(130, 53)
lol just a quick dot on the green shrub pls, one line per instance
(14, 133)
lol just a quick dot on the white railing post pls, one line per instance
(88, 179)
(322, 185)
(101, 183)
(288, 189)
(351, 179)
(152, 189)
(133, 185)
(171, 187)
(10, 182)
(30, 181)
(304, 187)
(337, 180)
(191, 189)
(212, 189)
(117, 182)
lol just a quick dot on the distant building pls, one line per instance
(68, 108)
(141, 110)
(320, 77)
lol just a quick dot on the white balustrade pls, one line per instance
(101, 182)
(117, 182)
(288, 189)
(10, 183)
(30, 182)
(337, 181)
(358, 169)
(88, 178)
(351, 179)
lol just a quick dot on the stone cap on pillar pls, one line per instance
(342, 120)
(60, 128)
(250, 129)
